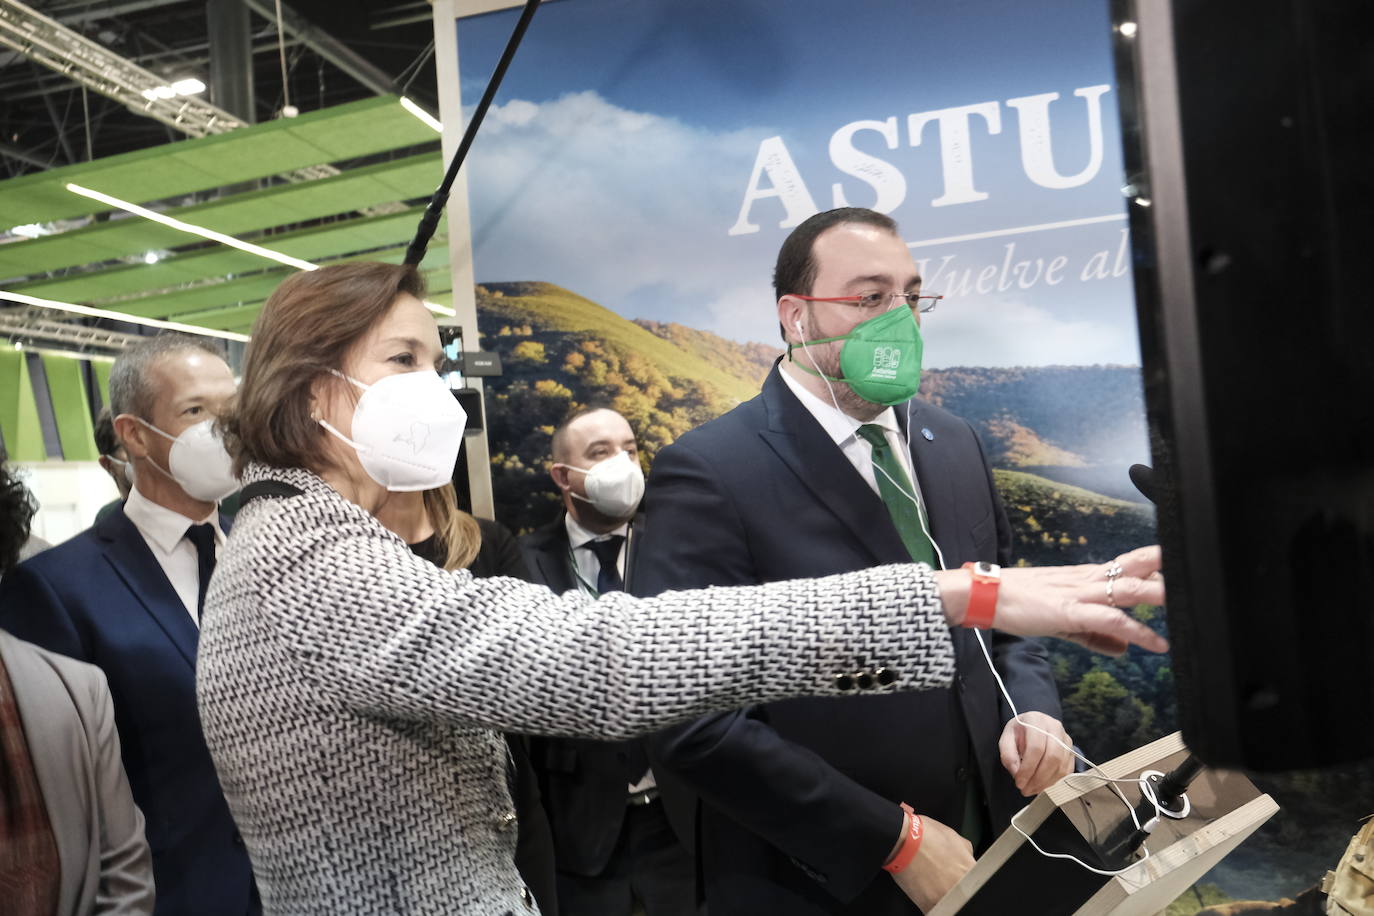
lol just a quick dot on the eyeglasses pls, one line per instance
(920, 302)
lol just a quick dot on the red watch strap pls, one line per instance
(911, 841)
(982, 599)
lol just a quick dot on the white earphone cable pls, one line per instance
(1146, 789)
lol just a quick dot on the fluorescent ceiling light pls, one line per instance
(188, 86)
(152, 256)
(118, 316)
(201, 231)
(73, 354)
(423, 115)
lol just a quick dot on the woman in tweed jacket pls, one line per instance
(351, 692)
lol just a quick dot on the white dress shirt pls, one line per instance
(587, 568)
(842, 429)
(165, 533)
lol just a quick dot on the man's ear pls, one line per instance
(561, 477)
(791, 312)
(133, 434)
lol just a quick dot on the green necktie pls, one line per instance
(895, 488)
(897, 491)
(897, 494)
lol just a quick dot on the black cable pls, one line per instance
(415, 252)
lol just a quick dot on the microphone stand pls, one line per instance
(429, 222)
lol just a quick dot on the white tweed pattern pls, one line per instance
(349, 692)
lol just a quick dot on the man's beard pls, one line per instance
(826, 359)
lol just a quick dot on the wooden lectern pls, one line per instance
(1077, 814)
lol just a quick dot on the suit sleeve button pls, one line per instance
(864, 679)
(844, 682)
(886, 677)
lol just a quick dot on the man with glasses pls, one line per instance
(799, 806)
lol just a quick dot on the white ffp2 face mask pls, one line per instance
(614, 486)
(198, 462)
(407, 430)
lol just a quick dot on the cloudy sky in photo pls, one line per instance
(619, 152)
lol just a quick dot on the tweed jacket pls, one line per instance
(350, 692)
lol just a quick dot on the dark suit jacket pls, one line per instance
(102, 598)
(583, 782)
(802, 796)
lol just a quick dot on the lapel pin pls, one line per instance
(925, 431)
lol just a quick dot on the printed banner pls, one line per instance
(644, 161)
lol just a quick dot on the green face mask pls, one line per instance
(880, 359)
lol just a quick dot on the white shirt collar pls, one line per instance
(161, 525)
(580, 537)
(837, 424)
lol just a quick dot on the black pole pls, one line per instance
(429, 222)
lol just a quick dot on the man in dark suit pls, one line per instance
(125, 595)
(817, 475)
(613, 845)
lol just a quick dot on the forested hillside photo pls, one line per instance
(1060, 439)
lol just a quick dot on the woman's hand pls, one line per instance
(1078, 603)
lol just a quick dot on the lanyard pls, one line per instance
(582, 583)
(577, 575)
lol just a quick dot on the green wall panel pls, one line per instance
(18, 409)
(102, 378)
(70, 407)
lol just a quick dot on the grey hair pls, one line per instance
(130, 390)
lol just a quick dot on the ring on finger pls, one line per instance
(1111, 583)
(1113, 570)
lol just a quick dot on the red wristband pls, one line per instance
(982, 595)
(910, 842)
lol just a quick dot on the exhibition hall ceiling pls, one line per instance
(344, 178)
(360, 211)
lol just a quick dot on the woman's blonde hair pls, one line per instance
(456, 531)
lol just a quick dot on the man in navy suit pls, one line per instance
(125, 595)
(799, 800)
(614, 848)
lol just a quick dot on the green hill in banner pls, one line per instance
(749, 360)
(1057, 523)
(561, 351)
(1065, 416)
(550, 309)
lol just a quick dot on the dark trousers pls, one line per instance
(649, 872)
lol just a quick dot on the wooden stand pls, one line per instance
(1076, 814)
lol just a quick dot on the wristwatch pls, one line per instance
(982, 596)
